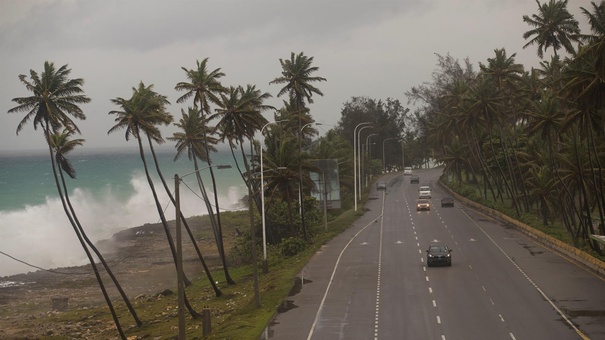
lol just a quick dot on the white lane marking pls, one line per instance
(377, 305)
(552, 304)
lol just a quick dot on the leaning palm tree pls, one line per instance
(62, 145)
(298, 85)
(190, 140)
(139, 116)
(239, 118)
(553, 27)
(56, 97)
(596, 40)
(205, 88)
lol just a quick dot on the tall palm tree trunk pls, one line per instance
(164, 224)
(598, 181)
(220, 229)
(88, 254)
(217, 291)
(217, 223)
(99, 255)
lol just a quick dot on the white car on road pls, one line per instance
(424, 191)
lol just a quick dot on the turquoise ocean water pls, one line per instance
(109, 194)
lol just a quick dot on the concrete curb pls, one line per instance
(569, 251)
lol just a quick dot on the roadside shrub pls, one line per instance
(292, 246)
(242, 248)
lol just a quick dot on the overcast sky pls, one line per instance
(378, 49)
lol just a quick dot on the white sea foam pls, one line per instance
(42, 235)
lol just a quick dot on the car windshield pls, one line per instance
(424, 188)
(438, 249)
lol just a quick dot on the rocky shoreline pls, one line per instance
(139, 257)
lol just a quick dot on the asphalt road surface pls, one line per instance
(372, 281)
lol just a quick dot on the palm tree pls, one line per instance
(506, 74)
(281, 153)
(553, 27)
(587, 122)
(62, 145)
(597, 38)
(167, 120)
(297, 77)
(205, 88)
(139, 116)
(543, 189)
(56, 97)
(240, 117)
(191, 141)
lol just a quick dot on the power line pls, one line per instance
(40, 268)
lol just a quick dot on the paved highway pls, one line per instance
(372, 282)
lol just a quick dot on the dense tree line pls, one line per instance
(535, 137)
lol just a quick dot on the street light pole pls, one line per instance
(179, 248)
(402, 156)
(355, 160)
(364, 180)
(179, 261)
(358, 180)
(262, 200)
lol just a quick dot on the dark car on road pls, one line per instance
(414, 179)
(438, 254)
(381, 186)
(447, 201)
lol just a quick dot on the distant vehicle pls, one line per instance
(423, 204)
(381, 186)
(407, 171)
(438, 253)
(424, 191)
(414, 179)
(447, 201)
